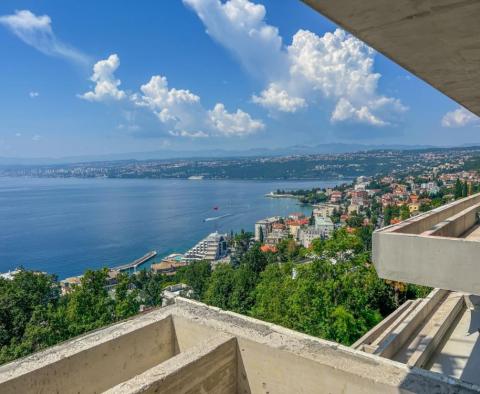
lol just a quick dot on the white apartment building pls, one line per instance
(308, 234)
(324, 225)
(211, 248)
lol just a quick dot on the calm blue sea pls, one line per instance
(65, 226)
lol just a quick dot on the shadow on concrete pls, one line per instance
(243, 386)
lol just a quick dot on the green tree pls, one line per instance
(19, 298)
(242, 297)
(220, 286)
(464, 189)
(126, 298)
(197, 276)
(425, 207)
(355, 220)
(335, 216)
(272, 292)
(89, 305)
(342, 243)
(344, 328)
(365, 234)
(149, 287)
(23, 301)
(288, 250)
(458, 190)
(404, 212)
(255, 259)
(317, 246)
(390, 212)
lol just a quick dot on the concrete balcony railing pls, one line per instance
(188, 347)
(440, 248)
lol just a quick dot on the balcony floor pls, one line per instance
(473, 234)
(460, 354)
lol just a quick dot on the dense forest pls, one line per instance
(330, 290)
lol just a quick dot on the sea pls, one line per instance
(65, 226)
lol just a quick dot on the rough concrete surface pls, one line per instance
(213, 350)
(437, 40)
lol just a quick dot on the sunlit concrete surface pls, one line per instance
(473, 234)
(439, 248)
(437, 40)
(188, 347)
(459, 355)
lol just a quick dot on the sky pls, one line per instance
(104, 77)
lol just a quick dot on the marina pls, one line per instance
(134, 265)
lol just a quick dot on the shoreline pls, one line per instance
(40, 230)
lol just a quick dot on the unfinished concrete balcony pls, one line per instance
(440, 248)
(438, 333)
(189, 347)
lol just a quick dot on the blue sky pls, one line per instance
(95, 77)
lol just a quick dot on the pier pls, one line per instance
(134, 264)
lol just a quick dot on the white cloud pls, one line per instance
(36, 137)
(188, 134)
(18, 134)
(345, 110)
(237, 123)
(182, 112)
(239, 26)
(128, 127)
(106, 85)
(37, 32)
(276, 98)
(170, 105)
(179, 110)
(33, 94)
(459, 118)
(335, 69)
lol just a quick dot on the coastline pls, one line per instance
(105, 222)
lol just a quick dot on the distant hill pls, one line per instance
(217, 153)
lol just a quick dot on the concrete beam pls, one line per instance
(209, 367)
(403, 332)
(436, 40)
(434, 332)
(369, 337)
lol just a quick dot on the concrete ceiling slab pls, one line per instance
(436, 40)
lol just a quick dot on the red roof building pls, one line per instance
(268, 248)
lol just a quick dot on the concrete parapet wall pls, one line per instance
(424, 222)
(446, 263)
(208, 350)
(425, 249)
(277, 360)
(457, 224)
(209, 367)
(92, 363)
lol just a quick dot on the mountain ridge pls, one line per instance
(166, 154)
